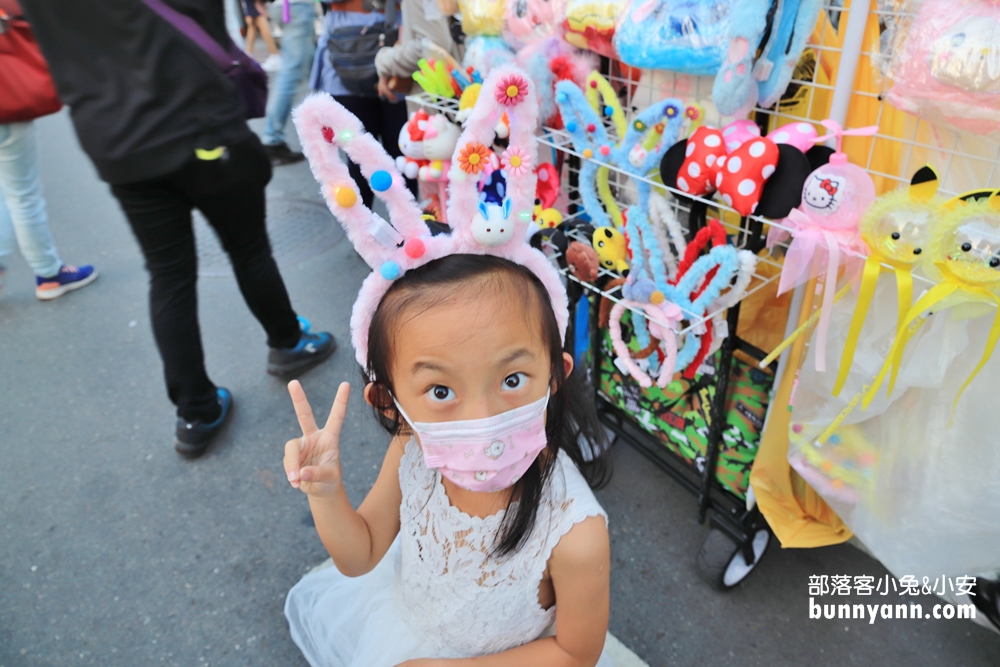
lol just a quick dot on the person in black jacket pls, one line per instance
(167, 130)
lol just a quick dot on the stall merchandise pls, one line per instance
(666, 207)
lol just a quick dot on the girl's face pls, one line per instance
(470, 358)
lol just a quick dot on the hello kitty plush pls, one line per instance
(411, 144)
(440, 139)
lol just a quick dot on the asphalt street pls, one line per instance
(116, 552)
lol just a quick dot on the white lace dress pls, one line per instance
(438, 593)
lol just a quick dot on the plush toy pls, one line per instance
(755, 73)
(687, 37)
(411, 145)
(610, 246)
(590, 24)
(583, 262)
(527, 21)
(896, 229)
(440, 139)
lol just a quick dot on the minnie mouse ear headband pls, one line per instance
(325, 128)
(755, 175)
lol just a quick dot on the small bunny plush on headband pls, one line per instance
(393, 248)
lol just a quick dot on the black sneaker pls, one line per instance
(312, 349)
(281, 154)
(193, 438)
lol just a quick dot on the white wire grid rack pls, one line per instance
(622, 185)
(963, 161)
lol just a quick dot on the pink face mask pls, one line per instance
(488, 454)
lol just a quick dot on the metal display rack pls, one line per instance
(739, 534)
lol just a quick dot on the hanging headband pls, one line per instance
(325, 127)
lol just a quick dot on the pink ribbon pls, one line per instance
(805, 255)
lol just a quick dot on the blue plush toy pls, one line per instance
(686, 36)
(740, 82)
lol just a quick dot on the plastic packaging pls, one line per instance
(590, 24)
(921, 496)
(688, 36)
(946, 66)
(481, 17)
(527, 21)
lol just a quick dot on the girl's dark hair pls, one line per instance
(571, 420)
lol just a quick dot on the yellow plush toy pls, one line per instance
(610, 246)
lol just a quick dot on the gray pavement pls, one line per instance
(114, 551)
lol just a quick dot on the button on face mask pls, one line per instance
(488, 454)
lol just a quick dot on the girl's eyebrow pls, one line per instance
(427, 366)
(516, 355)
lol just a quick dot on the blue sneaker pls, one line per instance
(312, 349)
(69, 278)
(193, 438)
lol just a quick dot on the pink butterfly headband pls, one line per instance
(324, 126)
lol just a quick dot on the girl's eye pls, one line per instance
(514, 381)
(441, 393)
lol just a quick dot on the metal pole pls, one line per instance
(854, 34)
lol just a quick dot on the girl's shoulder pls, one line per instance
(568, 499)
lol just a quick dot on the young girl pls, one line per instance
(481, 541)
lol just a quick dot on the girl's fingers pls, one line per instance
(319, 474)
(292, 461)
(302, 408)
(339, 410)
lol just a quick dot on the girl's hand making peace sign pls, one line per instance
(312, 462)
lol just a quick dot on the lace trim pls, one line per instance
(456, 592)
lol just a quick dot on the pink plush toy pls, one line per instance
(325, 127)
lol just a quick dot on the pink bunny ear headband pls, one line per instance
(324, 126)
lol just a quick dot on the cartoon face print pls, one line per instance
(902, 235)
(494, 450)
(974, 250)
(823, 193)
(492, 225)
(967, 56)
(481, 475)
(637, 156)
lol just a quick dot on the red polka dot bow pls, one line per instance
(738, 176)
(736, 161)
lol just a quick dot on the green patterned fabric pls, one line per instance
(679, 415)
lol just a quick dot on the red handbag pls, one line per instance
(28, 91)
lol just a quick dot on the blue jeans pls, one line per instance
(22, 206)
(298, 40)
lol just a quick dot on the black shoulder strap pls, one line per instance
(390, 14)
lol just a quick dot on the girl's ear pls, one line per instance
(377, 396)
(368, 393)
(568, 363)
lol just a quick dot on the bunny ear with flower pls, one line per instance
(404, 242)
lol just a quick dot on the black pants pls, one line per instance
(383, 120)
(230, 193)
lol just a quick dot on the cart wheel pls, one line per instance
(720, 561)
(987, 599)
